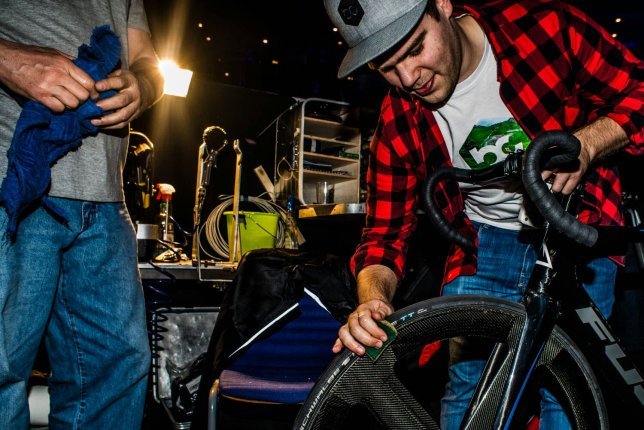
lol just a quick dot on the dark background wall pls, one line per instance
(243, 84)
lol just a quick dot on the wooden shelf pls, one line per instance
(331, 140)
(327, 176)
(327, 122)
(331, 130)
(331, 159)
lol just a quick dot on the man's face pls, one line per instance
(428, 62)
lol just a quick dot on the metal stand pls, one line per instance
(207, 160)
(235, 251)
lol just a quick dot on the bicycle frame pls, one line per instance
(554, 295)
(616, 371)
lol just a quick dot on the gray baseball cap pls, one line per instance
(371, 27)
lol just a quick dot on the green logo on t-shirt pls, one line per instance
(491, 141)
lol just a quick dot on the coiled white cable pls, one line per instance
(219, 243)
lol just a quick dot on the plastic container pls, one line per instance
(290, 241)
(257, 230)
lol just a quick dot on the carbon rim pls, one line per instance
(353, 383)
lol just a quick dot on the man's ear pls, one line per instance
(445, 8)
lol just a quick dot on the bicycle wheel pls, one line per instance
(354, 389)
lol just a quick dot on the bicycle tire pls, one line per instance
(354, 383)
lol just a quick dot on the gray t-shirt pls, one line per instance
(94, 171)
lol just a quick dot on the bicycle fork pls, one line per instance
(510, 365)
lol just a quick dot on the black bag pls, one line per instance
(269, 282)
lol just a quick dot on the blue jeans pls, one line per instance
(79, 287)
(504, 268)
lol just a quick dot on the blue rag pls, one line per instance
(42, 137)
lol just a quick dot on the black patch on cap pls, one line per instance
(351, 12)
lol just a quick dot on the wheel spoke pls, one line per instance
(489, 391)
(394, 396)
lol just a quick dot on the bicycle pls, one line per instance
(532, 342)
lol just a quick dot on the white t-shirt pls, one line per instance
(479, 131)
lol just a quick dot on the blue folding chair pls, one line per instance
(282, 368)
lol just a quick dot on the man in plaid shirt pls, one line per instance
(471, 85)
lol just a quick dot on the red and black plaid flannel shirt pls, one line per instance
(558, 70)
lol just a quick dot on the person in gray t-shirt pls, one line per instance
(76, 284)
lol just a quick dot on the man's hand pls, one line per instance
(599, 139)
(376, 287)
(125, 105)
(44, 75)
(566, 181)
(137, 88)
(361, 328)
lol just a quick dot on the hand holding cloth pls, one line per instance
(42, 137)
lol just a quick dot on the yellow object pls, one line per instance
(257, 230)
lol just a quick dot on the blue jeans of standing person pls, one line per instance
(504, 268)
(79, 287)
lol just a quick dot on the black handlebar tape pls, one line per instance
(434, 213)
(510, 167)
(539, 193)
